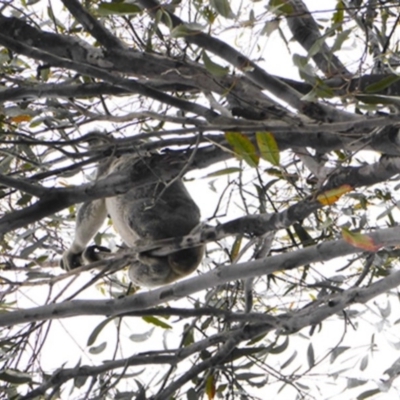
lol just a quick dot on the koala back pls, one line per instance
(155, 211)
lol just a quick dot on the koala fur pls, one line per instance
(150, 212)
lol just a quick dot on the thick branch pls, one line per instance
(167, 74)
(92, 25)
(260, 224)
(163, 167)
(254, 73)
(287, 322)
(305, 31)
(322, 252)
(87, 69)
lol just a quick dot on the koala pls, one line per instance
(159, 210)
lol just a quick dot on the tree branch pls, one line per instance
(254, 73)
(319, 253)
(86, 69)
(306, 32)
(163, 167)
(92, 25)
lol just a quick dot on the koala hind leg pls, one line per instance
(89, 218)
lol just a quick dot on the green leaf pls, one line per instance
(338, 15)
(141, 337)
(79, 381)
(188, 336)
(14, 376)
(310, 356)
(280, 7)
(377, 99)
(32, 275)
(247, 376)
(354, 382)
(98, 349)
(157, 322)
(210, 387)
(302, 64)
(5, 164)
(223, 8)
(385, 312)
(117, 9)
(27, 251)
(368, 393)
(261, 198)
(183, 30)
(243, 147)
(316, 47)
(24, 199)
(305, 238)
(289, 360)
(191, 394)
(340, 39)
(268, 147)
(166, 19)
(212, 67)
(42, 258)
(224, 171)
(319, 91)
(245, 352)
(323, 90)
(97, 330)
(281, 348)
(364, 363)
(236, 247)
(270, 27)
(256, 340)
(382, 84)
(337, 351)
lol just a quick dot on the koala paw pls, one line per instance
(70, 261)
(94, 253)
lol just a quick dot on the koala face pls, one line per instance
(152, 271)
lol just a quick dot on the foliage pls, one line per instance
(296, 179)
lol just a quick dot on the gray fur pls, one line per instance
(151, 212)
